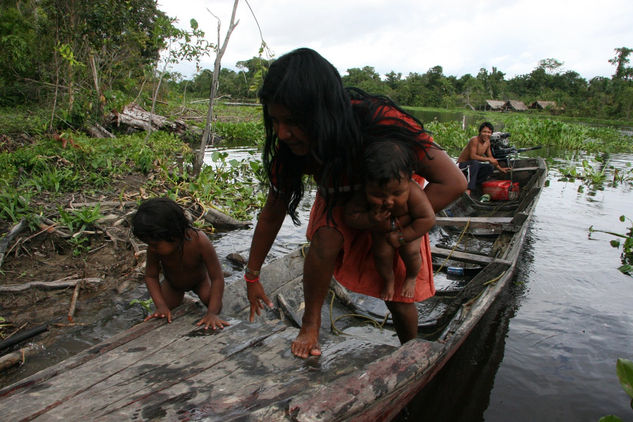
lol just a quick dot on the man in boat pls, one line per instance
(477, 160)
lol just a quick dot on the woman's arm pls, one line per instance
(268, 225)
(445, 180)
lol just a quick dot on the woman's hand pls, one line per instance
(256, 295)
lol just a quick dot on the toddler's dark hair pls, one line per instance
(387, 160)
(160, 219)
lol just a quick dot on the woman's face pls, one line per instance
(288, 130)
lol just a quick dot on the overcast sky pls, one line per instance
(406, 36)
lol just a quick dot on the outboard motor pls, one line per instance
(500, 146)
(502, 150)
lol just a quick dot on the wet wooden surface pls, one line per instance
(178, 371)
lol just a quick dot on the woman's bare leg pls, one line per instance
(318, 268)
(405, 320)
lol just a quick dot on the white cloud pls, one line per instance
(412, 35)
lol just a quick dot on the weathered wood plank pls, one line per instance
(70, 381)
(274, 278)
(376, 383)
(89, 354)
(486, 222)
(465, 256)
(264, 375)
(196, 356)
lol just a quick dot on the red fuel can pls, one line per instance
(501, 190)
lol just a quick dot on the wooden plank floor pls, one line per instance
(177, 371)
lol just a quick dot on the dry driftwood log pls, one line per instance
(137, 117)
(4, 242)
(18, 357)
(98, 131)
(222, 221)
(48, 285)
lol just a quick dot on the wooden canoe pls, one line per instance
(177, 371)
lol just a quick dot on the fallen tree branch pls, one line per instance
(73, 302)
(220, 220)
(18, 357)
(136, 117)
(24, 335)
(4, 243)
(48, 285)
(102, 204)
(98, 131)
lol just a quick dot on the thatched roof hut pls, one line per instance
(516, 105)
(495, 105)
(542, 105)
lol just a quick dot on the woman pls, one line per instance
(314, 127)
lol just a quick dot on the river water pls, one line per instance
(547, 349)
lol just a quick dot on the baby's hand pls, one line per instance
(212, 320)
(380, 217)
(160, 312)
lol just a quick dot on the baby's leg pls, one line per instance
(173, 297)
(383, 258)
(410, 254)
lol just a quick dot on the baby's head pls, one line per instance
(160, 219)
(387, 160)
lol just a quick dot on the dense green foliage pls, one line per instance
(83, 58)
(32, 176)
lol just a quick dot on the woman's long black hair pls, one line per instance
(311, 89)
(337, 121)
(380, 119)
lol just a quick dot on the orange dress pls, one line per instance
(355, 268)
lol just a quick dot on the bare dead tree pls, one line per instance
(207, 135)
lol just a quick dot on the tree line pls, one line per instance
(599, 97)
(82, 58)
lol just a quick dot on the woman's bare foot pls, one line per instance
(307, 342)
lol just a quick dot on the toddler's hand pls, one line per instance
(212, 320)
(160, 312)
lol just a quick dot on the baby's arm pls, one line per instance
(152, 271)
(421, 215)
(216, 276)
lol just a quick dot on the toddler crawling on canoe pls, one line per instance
(186, 257)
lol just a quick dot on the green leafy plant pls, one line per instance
(145, 304)
(80, 244)
(80, 219)
(626, 255)
(624, 369)
(14, 206)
